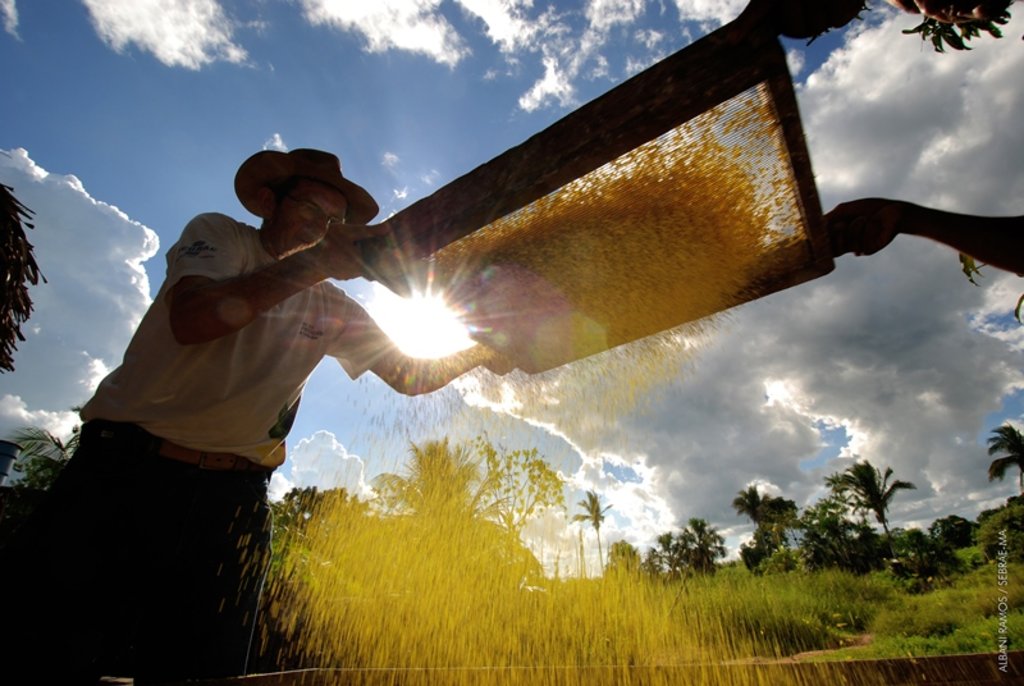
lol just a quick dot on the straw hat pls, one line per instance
(270, 168)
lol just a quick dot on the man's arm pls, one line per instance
(204, 309)
(364, 340)
(415, 376)
(865, 226)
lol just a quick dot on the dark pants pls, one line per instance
(135, 565)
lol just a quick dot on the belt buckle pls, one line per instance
(220, 462)
(205, 462)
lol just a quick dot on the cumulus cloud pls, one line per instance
(949, 122)
(95, 294)
(413, 25)
(15, 414)
(179, 33)
(323, 462)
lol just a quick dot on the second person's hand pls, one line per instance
(863, 227)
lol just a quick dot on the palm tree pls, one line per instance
(871, 491)
(669, 558)
(1008, 440)
(703, 545)
(41, 458)
(440, 481)
(43, 455)
(771, 515)
(593, 513)
(749, 503)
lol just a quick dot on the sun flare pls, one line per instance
(421, 326)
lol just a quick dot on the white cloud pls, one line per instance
(949, 122)
(322, 461)
(715, 12)
(650, 38)
(15, 414)
(507, 25)
(390, 160)
(179, 33)
(568, 53)
(556, 84)
(573, 57)
(413, 25)
(96, 292)
(275, 142)
(795, 60)
(9, 15)
(604, 14)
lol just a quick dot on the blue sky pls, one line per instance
(122, 121)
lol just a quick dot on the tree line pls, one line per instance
(479, 483)
(835, 531)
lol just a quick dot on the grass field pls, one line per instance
(368, 593)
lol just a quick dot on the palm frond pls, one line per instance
(18, 269)
(998, 468)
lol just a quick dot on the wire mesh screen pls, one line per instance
(698, 198)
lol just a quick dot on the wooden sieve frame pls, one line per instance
(686, 84)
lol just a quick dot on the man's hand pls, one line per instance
(339, 255)
(863, 227)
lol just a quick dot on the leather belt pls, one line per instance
(221, 462)
(132, 438)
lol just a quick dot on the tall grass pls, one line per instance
(398, 595)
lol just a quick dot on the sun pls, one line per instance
(421, 326)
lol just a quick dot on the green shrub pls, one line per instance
(971, 558)
(1003, 529)
(781, 561)
(977, 636)
(932, 615)
(948, 611)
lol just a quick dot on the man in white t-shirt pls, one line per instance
(150, 554)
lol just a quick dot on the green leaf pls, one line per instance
(956, 35)
(954, 40)
(1016, 310)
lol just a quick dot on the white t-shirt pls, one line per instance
(239, 393)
